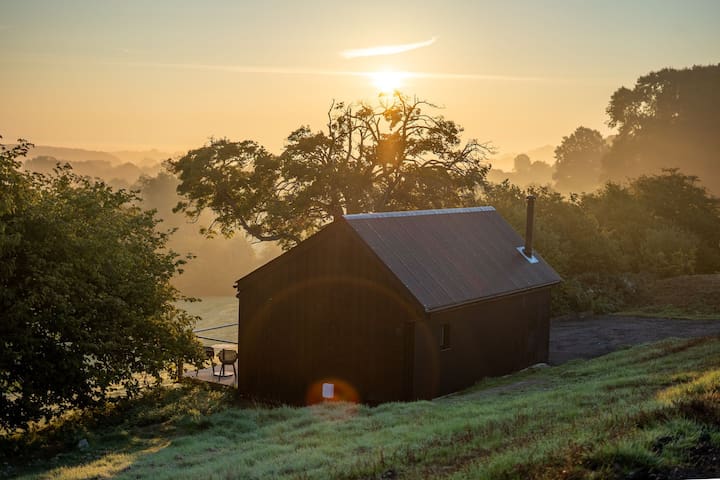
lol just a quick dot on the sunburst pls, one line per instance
(387, 81)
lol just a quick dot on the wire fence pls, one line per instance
(216, 327)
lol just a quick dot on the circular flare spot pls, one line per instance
(331, 390)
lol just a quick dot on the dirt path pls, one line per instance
(597, 335)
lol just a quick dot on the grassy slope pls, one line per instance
(215, 311)
(650, 408)
(687, 296)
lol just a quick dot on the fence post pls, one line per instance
(179, 369)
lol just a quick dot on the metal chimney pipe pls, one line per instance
(530, 221)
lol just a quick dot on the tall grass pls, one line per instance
(634, 412)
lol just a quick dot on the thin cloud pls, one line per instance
(241, 68)
(386, 49)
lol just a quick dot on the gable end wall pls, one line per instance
(330, 313)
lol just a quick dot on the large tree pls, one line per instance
(578, 159)
(85, 298)
(669, 119)
(392, 156)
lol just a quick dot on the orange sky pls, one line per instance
(170, 74)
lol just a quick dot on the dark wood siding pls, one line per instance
(325, 311)
(486, 339)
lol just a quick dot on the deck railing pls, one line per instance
(217, 327)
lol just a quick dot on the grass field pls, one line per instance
(652, 409)
(695, 297)
(215, 311)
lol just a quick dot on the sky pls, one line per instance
(115, 75)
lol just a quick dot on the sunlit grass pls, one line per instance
(641, 408)
(107, 465)
(213, 310)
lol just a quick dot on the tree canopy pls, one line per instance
(578, 160)
(85, 298)
(392, 156)
(669, 119)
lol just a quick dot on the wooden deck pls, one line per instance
(206, 375)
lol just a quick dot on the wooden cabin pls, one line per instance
(394, 306)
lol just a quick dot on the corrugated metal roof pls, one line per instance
(450, 257)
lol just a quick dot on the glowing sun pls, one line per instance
(387, 81)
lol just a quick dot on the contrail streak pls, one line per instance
(386, 49)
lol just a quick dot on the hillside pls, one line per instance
(141, 158)
(648, 412)
(71, 154)
(685, 296)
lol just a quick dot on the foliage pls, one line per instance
(668, 119)
(607, 244)
(85, 298)
(637, 413)
(678, 199)
(598, 292)
(578, 160)
(666, 223)
(565, 235)
(13, 183)
(394, 156)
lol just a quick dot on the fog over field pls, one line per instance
(218, 261)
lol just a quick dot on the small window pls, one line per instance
(445, 336)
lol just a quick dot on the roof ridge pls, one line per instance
(412, 213)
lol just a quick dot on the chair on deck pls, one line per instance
(227, 357)
(209, 355)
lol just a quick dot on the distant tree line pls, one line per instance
(669, 119)
(525, 172)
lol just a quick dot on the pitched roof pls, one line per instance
(454, 256)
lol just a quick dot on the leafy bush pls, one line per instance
(85, 295)
(669, 251)
(599, 293)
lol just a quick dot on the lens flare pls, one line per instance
(340, 391)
